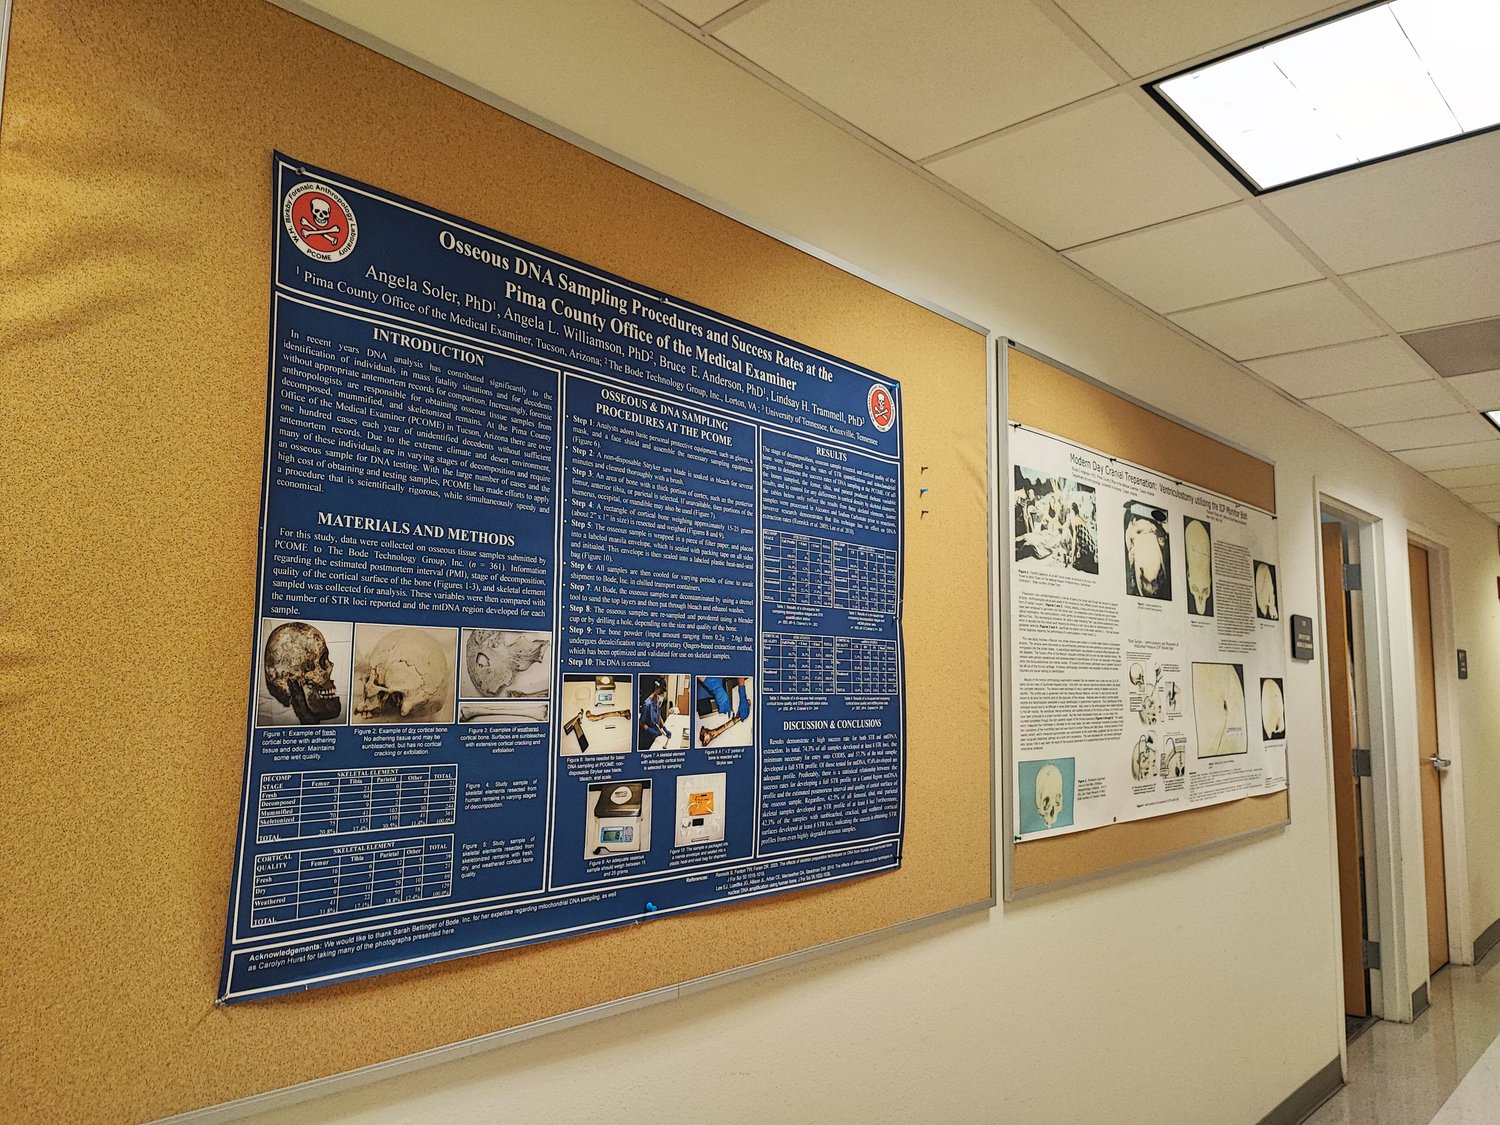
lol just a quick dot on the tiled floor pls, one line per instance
(1401, 1074)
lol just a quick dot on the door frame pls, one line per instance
(1390, 985)
(1445, 680)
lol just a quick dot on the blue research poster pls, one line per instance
(577, 605)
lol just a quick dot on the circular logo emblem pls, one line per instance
(882, 408)
(320, 221)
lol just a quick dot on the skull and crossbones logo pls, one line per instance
(320, 221)
(318, 226)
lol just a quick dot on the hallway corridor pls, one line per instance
(1403, 1074)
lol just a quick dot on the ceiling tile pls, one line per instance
(1198, 260)
(1147, 37)
(1479, 494)
(1090, 171)
(1453, 430)
(1454, 456)
(1429, 399)
(700, 11)
(1459, 349)
(1464, 285)
(1410, 207)
(1380, 362)
(920, 77)
(1288, 320)
(1482, 389)
(1467, 478)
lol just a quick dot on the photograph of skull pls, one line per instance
(403, 674)
(305, 672)
(1272, 710)
(505, 664)
(1265, 591)
(1219, 707)
(1148, 555)
(1045, 792)
(1198, 545)
(1056, 522)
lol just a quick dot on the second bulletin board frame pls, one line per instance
(1032, 867)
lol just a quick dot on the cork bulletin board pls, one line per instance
(135, 155)
(1048, 397)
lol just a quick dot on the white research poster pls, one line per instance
(1147, 650)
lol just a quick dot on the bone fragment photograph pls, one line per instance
(505, 664)
(725, 714)
(1197, 544)
(305, 666)
(596, 713)
(1272, 710)
(1148, 555)
(403, 674)
(1265, 591)
(1056, 524)
(1046, 794)
(1219, 708)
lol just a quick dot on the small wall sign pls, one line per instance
(1302, 638)
(1463, 664)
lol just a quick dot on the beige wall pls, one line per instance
(1202, 989)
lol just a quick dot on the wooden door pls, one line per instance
(1345, 791)
(1427, 750)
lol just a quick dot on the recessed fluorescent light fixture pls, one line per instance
(1358, 88)
(1494, 417)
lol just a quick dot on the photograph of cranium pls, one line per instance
(1272, 710)
(304, 673)
(1046, 794)
(1148, 554)
(1265, 591)
(1056, 522)
(403, 674)
(1198, 545)
(505, 664)
(1219, 707)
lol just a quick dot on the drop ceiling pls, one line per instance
(1372, 296)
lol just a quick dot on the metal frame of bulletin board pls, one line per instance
(1039, 392)
(138, 359)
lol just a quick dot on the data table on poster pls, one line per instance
(319, 881)
(808, 570)
(327, 802)
(799, 664)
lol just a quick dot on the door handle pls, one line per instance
(1440, 763)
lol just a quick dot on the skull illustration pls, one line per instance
(299, 672)
(406, 677)
(1143, 758)
(1272, 709)
(1049, 793)
(1265, 591)
(322, 210)
(1200, 573)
